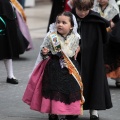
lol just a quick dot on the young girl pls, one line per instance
(92, 29)
(55, 86)
(109, 10)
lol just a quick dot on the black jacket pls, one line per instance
(93, 33)
(13, 42)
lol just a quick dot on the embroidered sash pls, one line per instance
(72, 69)
(19, 8)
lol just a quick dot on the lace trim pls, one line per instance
(67, 99)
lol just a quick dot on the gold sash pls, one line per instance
(19, 8)
(72, 69)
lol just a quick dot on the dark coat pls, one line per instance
(93, 33)
(13, 42)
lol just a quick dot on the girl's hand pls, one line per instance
(112, 24)
(45, 51)
(76, 52)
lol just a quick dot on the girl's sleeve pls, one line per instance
(46, 43)
(39, 57)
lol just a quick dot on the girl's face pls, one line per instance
(82, 13)
(103, 2)
(63, 25)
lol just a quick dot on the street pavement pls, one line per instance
(11, 104)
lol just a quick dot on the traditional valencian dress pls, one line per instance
(55, 85)
(112, 49)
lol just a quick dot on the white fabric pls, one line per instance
(111, 2)
(75, 27)
(114, 3)
(68, 46)
(111, 10)
(69, 4)
(94, 112)
(118, 2)
(9, 68)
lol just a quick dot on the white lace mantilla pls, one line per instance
(69, 45)
(109, 13)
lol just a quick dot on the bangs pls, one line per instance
(68, 14)
(84, 4)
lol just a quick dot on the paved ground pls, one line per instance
(11, 105)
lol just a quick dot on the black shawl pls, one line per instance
(93, 33)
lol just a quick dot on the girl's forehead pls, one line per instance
(102, 0)
(63, 17)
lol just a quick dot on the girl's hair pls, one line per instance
(83, 4)
(68, 14)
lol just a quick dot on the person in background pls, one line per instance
(57, 87)
(92, 29)
(8, 38)
(13, 41)
(109, 10)
(22, 24)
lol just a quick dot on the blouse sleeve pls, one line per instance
(46, 43)
(40, 58)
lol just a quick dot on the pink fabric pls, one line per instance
(33, 96)
(60, 108)
(24, 29)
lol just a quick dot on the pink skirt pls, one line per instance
(33, 96)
